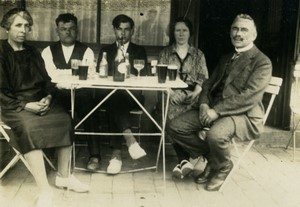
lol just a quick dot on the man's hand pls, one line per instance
(202, 113)
(207, 115)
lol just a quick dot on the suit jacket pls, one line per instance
(135, 52)
(243, 90)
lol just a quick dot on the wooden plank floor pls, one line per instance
(276, 184)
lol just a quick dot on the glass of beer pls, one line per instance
(172, 72)
(162, 73)
(74, 66)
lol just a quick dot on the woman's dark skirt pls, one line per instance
(31, 131)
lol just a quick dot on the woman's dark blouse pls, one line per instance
(23, 77)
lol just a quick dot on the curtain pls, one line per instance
(151, 18)
(44, 13)
(5, 6)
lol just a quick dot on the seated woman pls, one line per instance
(29, 108)
(192, 69)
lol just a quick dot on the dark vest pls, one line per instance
(58, 55)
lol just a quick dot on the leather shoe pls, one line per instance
(205, 175)
(218, 179)
(93, 164)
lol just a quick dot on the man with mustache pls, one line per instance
(230, 104)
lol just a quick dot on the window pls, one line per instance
(151, 17)
(44, 13)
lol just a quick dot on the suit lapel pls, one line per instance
(239, 64)
(223, 65)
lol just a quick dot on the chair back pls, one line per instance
(295, 98)
(273, 89)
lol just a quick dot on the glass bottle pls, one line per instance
(103, 67)
(153, 67)
(119, 67)
(128, 66)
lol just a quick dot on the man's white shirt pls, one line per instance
(67, 51)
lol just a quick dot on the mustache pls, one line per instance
(239, 38)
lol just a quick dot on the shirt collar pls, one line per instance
(190, 50)
(244, 49)
(125, 46)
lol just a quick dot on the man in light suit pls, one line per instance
(230, 104)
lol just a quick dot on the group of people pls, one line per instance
(229, 103)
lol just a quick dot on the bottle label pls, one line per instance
(102, 71)
(122, 68)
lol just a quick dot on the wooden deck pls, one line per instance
(276, 184)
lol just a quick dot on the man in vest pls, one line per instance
(58, 56)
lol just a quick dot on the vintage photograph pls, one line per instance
(149, 103)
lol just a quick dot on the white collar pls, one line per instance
(244, 49)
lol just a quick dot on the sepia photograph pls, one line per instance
(149, 103)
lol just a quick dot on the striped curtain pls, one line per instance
(44, 13)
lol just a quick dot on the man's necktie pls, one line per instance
(235, 56)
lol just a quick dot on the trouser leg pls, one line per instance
(181, 153)
(184, 129)
(94, 146)
(218, 138)
(85, 103)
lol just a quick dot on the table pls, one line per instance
(133, 83)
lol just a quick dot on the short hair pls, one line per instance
(9, 17)
(122, 18)
(186, 21)
(66, 17)
(244, 16)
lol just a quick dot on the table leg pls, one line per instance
(165, 107)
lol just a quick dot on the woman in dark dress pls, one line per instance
(29, 108)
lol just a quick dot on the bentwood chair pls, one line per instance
(295, 108)
(4, 135)
(273, 90)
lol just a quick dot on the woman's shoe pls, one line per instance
(44, 199)
(177, 172)
(71, 183)
(186, 167)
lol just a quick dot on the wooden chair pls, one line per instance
(295, 108)
(272, 89)
(18, 156)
